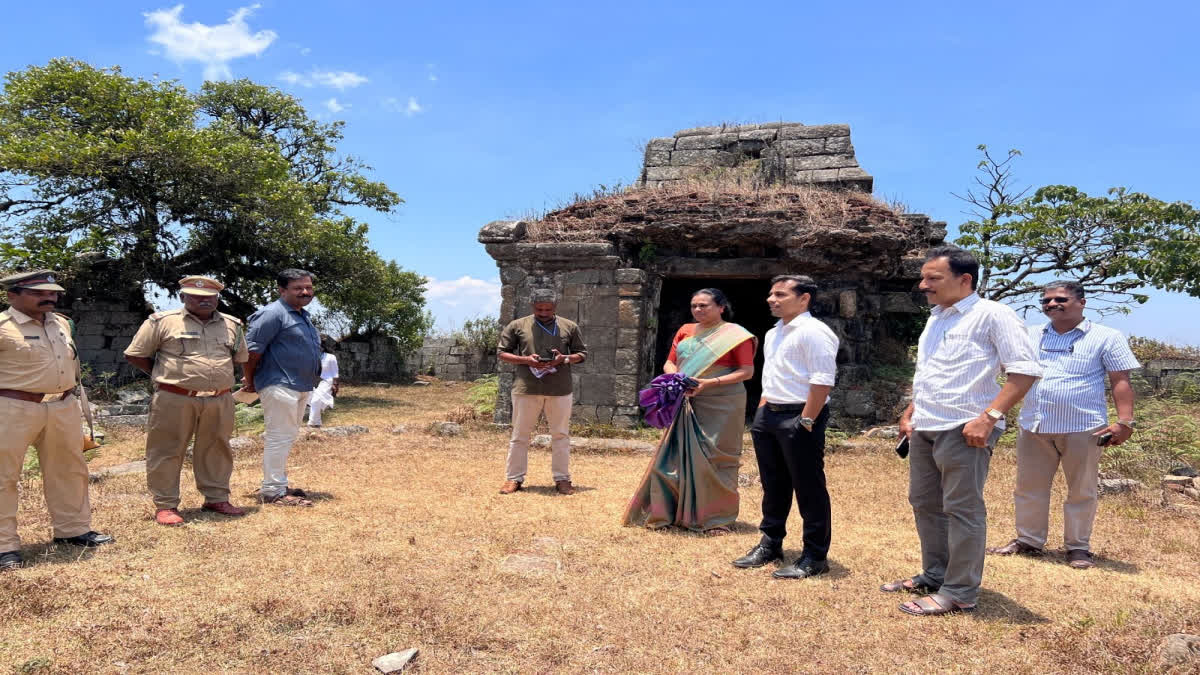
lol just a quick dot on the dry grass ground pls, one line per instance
(405, 544)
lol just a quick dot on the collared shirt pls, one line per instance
(290, 347)
(329, 367)
(1070, 396)
(37, 356)
(959, 357)
(190, 352)
(526, 337)
(796, 355)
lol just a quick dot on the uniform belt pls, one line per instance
(785, 407)
(34, 397)
(188, 392)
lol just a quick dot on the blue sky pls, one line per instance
(477, 111)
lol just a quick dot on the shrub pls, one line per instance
(1149, 349)
(482, 395)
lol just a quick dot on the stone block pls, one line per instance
(581, 277)
(800, 147)
(814, 162)
(815, 131)
(625, 390)
(599, 360)
(656, 157)
(89, 342)
(757, 134)
(703, 158)
(901, 303)
(625, 361)
(628, 337)
(860, 403)
(839, 145)
(667, 172)
(502, 231)
(629, 313)
(698, 131)
(561, 250)
(120, 343)
(602, 313)
(596, 389)
(577, 290)
(579, 413)
(596, 337)
(604, 414)
(823, 175)
(114, 331)
(630, 275)
(631, 290)
(90, 328)
(661, 144)
(511, 274)
(852, 173)
(847, 304)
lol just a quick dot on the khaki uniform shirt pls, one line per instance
(37, 357)
(524, 338)
(191, 353)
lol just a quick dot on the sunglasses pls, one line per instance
(1059, 300)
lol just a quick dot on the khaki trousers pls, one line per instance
(174, 419)
(526, 410)
(1038, 458)
(56, 430)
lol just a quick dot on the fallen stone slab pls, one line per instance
(883, 432)
(398, 429)
(1114, 486)
(118, 470)
(124, 420)
(241, 443)
(1180, 481)
(599, 444)
(1180, 649)
(445, 429)
(347, 430)
(394, 662)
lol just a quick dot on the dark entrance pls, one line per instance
(749, 300)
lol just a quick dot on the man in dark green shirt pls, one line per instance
(543, 347)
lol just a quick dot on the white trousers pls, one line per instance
(283, 410)
(321, 399)
(526, 410)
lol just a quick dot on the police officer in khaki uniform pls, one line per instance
(189, 353)
(39, 370)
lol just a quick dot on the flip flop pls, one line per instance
(911, 585)
(935, 604)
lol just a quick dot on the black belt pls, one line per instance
(786, 407)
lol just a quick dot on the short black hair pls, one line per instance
(801, 283)
(719, 299)
(961, 261)
(291, 274)
(1073, 287)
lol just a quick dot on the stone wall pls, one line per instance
(103, 329)
(786, 152)
(1165, 376)
(371, 359)
(447, 359)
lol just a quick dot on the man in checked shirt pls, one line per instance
(1065, 420)
(956, 416)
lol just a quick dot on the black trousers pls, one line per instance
(791, 459)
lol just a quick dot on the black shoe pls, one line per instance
(87, 539)
(803, 568)
(11, 560)
(758, 556)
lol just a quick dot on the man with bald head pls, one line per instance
(543, 346)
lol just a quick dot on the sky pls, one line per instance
(477, 111)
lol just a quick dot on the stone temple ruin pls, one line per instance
(728, 207)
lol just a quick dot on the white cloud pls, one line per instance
(453, 301)
(413, 107)
(335, 107)
(409, 108)
(305, 51)
(336, 79)
(214, 46)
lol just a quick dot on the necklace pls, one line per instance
(553, 333)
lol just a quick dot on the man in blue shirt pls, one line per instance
(1065, 420)
(284, 366)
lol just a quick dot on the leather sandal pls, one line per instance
(911, 585)
(935, 604)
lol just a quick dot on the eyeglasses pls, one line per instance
(1059, 300)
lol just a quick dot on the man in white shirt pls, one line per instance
(1065, 420)
(956, 416)
(799, 369)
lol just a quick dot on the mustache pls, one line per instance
(47, 302)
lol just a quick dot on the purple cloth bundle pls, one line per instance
(663, 398)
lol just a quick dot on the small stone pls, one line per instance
(398, 429)
(347, 430)
(1180, 649)
(242, 443)
(746, 480)
(445, 429)
(420, 383)
(1181, 481)
(883, 432)
(119, 470)
(394, 662)
(1193, 493)
(1184, 470)
(126, 420)
(1113, 486)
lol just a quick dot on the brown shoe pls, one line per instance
(223, 508)
(1016, 546)
(509, 487)
(1080, 559)
(168, 517)
(564, 487)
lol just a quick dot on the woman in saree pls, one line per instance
(692, 480)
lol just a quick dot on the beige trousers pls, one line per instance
(56, 430)
(526, 410)
(1038, 458)
(174, 419)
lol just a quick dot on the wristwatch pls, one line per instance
(996, 415)
(1128, 424)
(807, 423)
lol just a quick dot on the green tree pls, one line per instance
(1113, 245)
(234, 180)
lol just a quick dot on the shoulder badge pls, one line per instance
(236, 321)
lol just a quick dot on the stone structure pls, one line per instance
(371, 359)
(625, 266)
(786, 152)
(103, 329)
(449, 359)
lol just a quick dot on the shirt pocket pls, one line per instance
(21, 350)
(956, 348)
(1078, 364)
(181, 343)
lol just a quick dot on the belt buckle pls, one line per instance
(207, 393)
(53, 398)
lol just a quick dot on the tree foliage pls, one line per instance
(234, 180)
(1113, 245)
